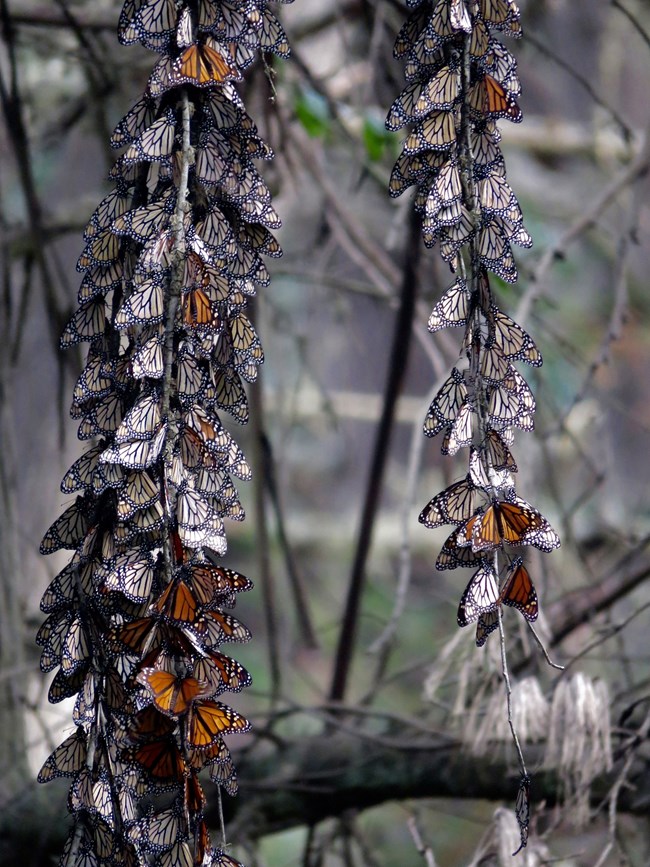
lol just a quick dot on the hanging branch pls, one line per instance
(461, 79)
(137, 618)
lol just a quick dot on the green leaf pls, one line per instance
(313, 113)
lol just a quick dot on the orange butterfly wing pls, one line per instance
(519, 591)
(171, 694)
(211, 719)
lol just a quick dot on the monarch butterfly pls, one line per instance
(486, 624)
(204, 65)
(409, 32)
(453, 308)
(139, 492)
(112, 206)
(69, 529)
(145, 305)
(479, 39)
(142, 421)
(50, 637)
(257, 239)
(224, 775)
(514, 342)
(497, 451)
(495, 367)
(177, 602)
(155, 143)
(171, 694)
(130, 574)
(446, 191)
(421, 97)
(494, 251)
(140, 223)
(63, 589)
(221, 672)
(228, 394)
(152, 22)
(101, 251)
(519, 591)
(192, 512)
(459, 16)
(99, 280)
(179, 855)
(453, 506)
(512, 402)
(446, 404)
(161, 759)
(134, 122)
(209, 720)
(461, 432)
(64, 686)
(158, 832)
(522, 810)
(454, 556)
(502, 14)
(484, 475)
(75, 649)
(513, 521)
(80, 475)
(67, 759)
(83, 712)
(138, 454)
(500, 63)
(93, 383)
(102, 418)
(215, 628)
(149, 724)
(411, 168)
(87, 323)
(272, 36)
(211, 582)
(490, 98)
(214, 230)
(223, 859)
(247, 263)
(191, 376)
(436, 132)
(480, 596)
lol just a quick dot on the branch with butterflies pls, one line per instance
(138, 618)
(461, 81)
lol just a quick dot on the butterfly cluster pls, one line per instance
(460, 81)
(137, 620)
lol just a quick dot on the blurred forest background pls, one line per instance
(423, 717)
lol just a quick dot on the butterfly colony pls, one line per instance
(137, 621)
(460, 81)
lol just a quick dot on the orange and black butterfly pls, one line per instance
(171, 694)
(454, 556)
(177, 602)
(221, 672)
(513, 521)
(204, 64)
(489, 97)
(161, 759)
(209, 720)
(519, 591)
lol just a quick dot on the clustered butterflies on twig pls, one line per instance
(460, 81)
(136, 620)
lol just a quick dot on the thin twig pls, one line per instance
(395, 377)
